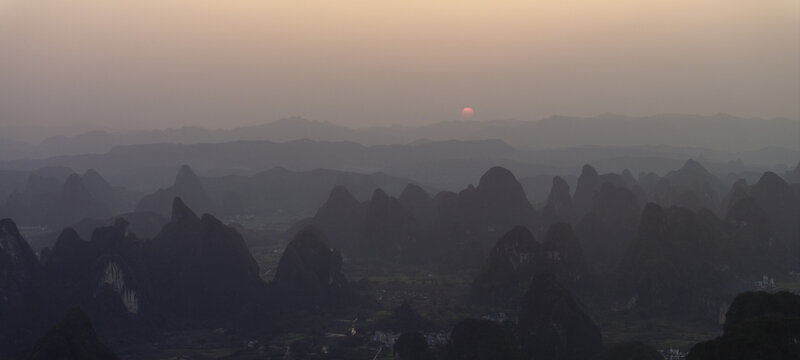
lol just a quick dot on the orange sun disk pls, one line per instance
(467, 113)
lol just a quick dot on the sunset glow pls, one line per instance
(523, 59)
(467, 113)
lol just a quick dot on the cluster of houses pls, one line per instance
(672, 354)
(498, 317)
(766, 283)
(384, 338)
(388, 338)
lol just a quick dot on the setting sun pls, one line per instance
(467, 113)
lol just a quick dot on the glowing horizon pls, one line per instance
(183, 62)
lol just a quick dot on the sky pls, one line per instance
(227, 63)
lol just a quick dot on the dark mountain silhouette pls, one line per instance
(517, 257)
(629, 351)
(106, 275)
(691, 187)
(752, 248)
(379, 228)
(559, 204)
(48, 200)
(277, 191)
(538, 187)
(739, 190)
(205, 267)
(12, 181)
(20, 273)
(412, 346)
(751, 305)
(19, 263)
(474, 339)
(284, 191)
(309, 273)
(389, 230)
(759, 325)
(196, 272)
(465, 223)
(469, 223)
(76, 203)
(588, 183)
(405, 319)
(561, 255)
(607, 231)
(765, 225)
(103, 193)
(503, 201)
(187, 186)
(71, 339)
(144, 224)
(673, 268)
(782, 206)
(508, 269)
(552, 325)
(340, 218)
(35, 203)
(419, 203)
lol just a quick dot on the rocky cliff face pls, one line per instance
(106, 275)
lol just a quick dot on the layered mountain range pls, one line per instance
(678, 246)
(195, 272)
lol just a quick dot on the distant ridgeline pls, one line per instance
(50, 199)
(678, 247)
(613, 224)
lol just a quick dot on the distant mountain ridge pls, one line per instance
(444, 164)
(720, 131)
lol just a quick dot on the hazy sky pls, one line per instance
(222, 63)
